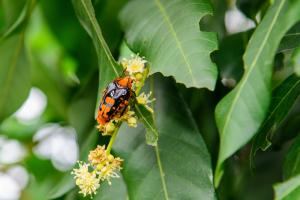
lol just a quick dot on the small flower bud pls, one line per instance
(110, 127)
(138, 76)
(110, 158)
(132, 121)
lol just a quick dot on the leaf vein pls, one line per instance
(172, 30)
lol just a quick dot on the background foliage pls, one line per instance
(225, 75)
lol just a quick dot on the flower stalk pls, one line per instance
(102, 165)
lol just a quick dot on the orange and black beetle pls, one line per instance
(115, 99)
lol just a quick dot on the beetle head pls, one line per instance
(125, 82)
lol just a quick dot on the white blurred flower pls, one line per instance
(33, 107)
(20, 174)
(11, 151)
(236, 21)
(58, 144)
(9, 188)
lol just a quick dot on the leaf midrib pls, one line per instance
(159, 163)
(149, 124)
(173, 32)
(251, 68)
(99, 37)
(161, 172)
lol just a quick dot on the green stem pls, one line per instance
(112, 140)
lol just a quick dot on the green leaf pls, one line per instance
(291, 165)
(12, 10)
(14, 75)
(17, 15)
(148, 120)
(216, 23)
(179, 166)
(117, 190)
(108, 67)
(14, 63)
(288, 190)
(296, 61)
(291, 40)
(108, 20)
(240, 113)
(283, 98)
(167, 33)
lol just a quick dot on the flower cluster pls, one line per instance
(108, 128)
(87, 181)
(135, 65)
(136, 68)
(102, 166)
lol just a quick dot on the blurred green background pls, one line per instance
(50, 125)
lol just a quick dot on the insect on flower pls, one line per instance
(115, 99)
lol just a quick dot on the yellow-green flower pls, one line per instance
(106, 165)
(145, 99)
(130, 117)
(110, 169)
(108, 128)
(134, 65)
(88, 182)
(97, 156)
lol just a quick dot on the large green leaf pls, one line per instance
(115, 191)
(291, 40)
(108, 67)
(290, 188)
(291, 165)
(296, 61)
(240, 113)
(12, 10)
(283, 98)
(108, 20)
(179, 166)
(167, 33)
(16, 13)
(14, 67)
(14, 75)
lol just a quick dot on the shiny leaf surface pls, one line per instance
(167, 33)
